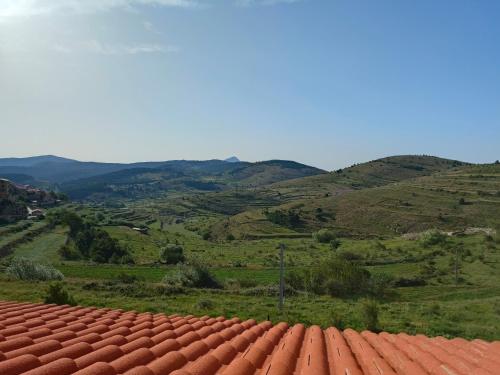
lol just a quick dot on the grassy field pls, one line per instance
(470, 309)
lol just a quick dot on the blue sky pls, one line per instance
(327, 83)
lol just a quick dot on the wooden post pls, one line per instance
(282, 275)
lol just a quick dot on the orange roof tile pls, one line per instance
(40, 339)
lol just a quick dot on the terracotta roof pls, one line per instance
(40, 339)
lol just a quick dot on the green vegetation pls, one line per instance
(172, 254)
(192, 275)
(26, 269)
(88, 241)
(58, 295)
(369, 309)
(386, 245)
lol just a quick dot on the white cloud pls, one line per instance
(28, 8)
(97, 47)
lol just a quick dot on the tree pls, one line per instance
(172, 254)
(103, 248)
(324, 236)
(73, 221)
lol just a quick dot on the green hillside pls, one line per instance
(452, 199)
(185, 176)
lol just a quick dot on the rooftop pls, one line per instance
(41, 339)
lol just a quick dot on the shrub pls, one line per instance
(26, 269)
(403, 282)
(324, 236)
(58, 295)
(335, 244)
(69, 253)
(336, 277)
(205, 304)
(287, 218)
(192, 275)
(126, 278)
(380, 285)
(337, 321)
(172, 254)
(433, 237)
(369, 313)
(345, 278)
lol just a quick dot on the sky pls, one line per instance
(328, 83)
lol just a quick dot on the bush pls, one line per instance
(205, 304)
(335, 244)
(172, 254)
(403, 282)
(324, 236)
(26, 269)
(192, 275)
(380, 285)
(337, 321)
(207, 235)
(58, 295)
(369, 313)
(126, 278)
(68, 252)
(433, 237)
(336, 277)
(286, 218)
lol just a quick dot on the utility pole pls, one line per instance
(282, 276)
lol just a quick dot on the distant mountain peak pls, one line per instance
(232, 159)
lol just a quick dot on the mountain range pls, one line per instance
(93, 180)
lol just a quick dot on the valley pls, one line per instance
(425, 229)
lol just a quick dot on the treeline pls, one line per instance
(87, 241)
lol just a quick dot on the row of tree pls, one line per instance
(87, 241)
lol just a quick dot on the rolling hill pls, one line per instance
(91, 180)
(185, 176)
(379, 198)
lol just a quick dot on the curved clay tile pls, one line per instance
(99, 368)
(19, 365)
(38, 339)
(139, 357)
(61, 366)
(167, 363)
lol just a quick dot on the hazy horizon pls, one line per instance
(224, 158)
(324, 83)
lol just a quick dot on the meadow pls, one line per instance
(249, 273)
